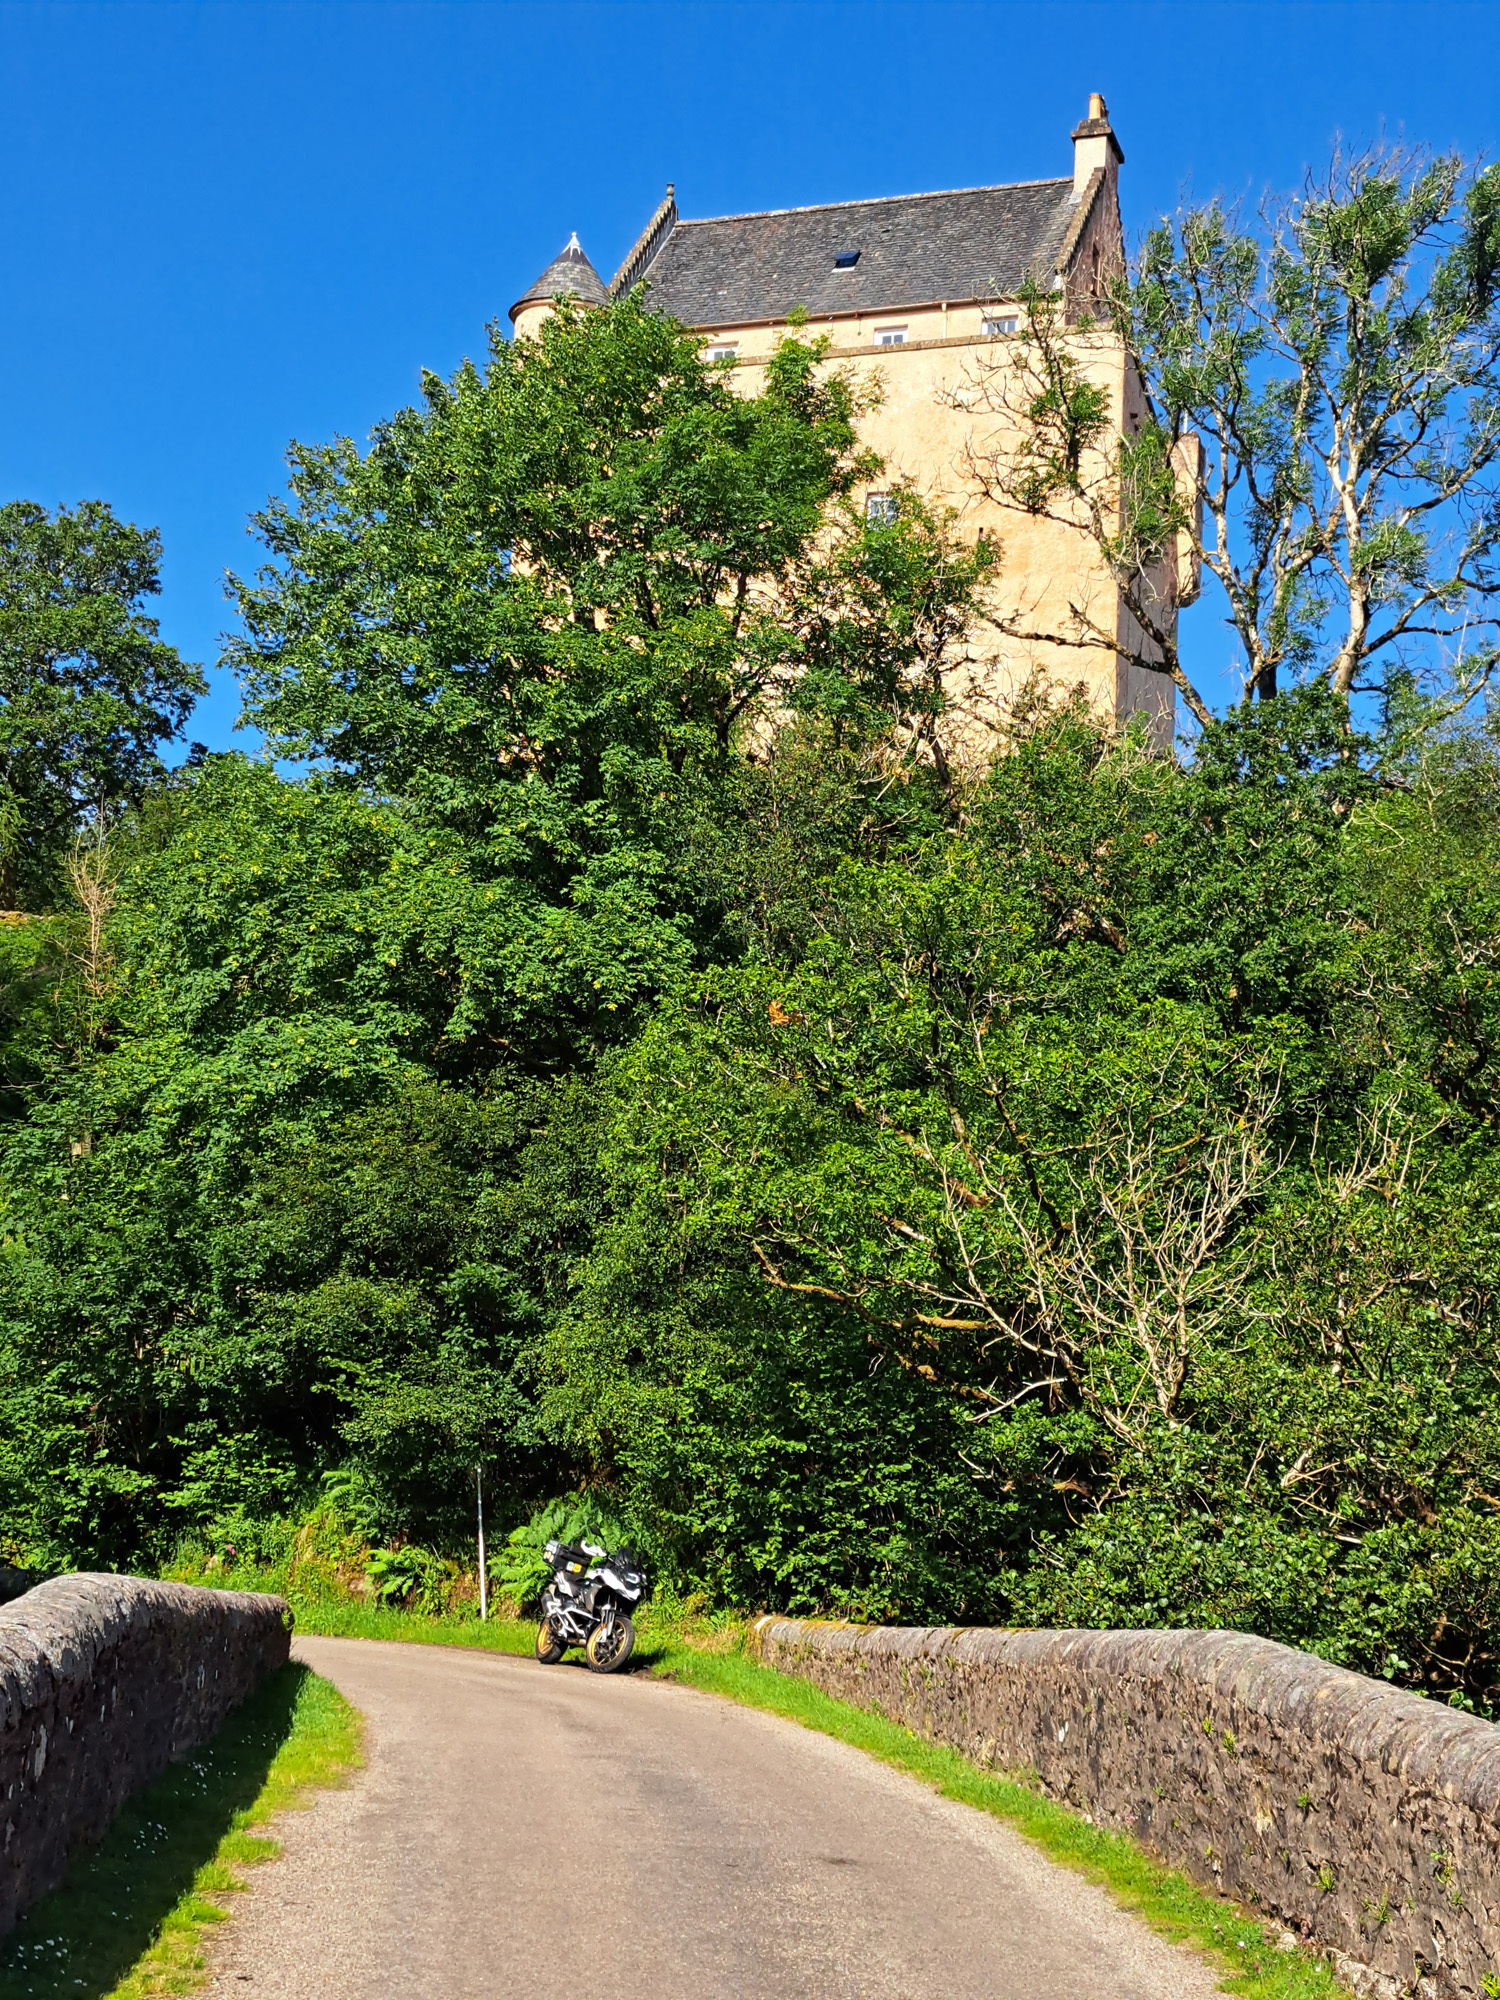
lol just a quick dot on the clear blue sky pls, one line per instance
(228, 225)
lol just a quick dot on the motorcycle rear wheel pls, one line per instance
(608, 1650)
(549, 1647)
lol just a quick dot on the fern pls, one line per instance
(521, 1572)
(347, 1494)
(401, 1575)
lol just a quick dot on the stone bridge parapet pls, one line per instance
(1363, 1818)
(104, 1681)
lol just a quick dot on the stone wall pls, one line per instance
(104, 1680)
(1365, 1819)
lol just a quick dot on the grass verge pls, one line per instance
(350, 1619)
(1241, 1948)
(129, 1921)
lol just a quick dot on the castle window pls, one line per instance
(880, 509)
(723, 350)
(846, 260)
(1007, 323)
(890, 336)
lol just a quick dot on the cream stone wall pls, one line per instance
(1051, 582)
(529, 318)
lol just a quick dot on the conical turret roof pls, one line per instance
(569, 271)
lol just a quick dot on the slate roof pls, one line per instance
(917, 249)
(569, 271)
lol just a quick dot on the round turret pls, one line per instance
(569, 272)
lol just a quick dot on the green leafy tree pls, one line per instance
(1111, 1127)
(965, 1116)
(541, 612)
(1319, 431)
(89, 692)
(339, 1062)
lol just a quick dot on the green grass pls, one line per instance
(1240, 1947)
(350, 1619)
(129, 1921)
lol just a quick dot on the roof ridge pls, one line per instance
(1073, 234)
(642, 252)
(874, 201)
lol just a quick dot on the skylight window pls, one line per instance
(890, 336)
(846, 260)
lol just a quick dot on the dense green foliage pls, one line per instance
(88, 691)
(635, 1060)
(1102, 1195)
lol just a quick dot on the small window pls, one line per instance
(846, 260)
(1006, 323)
(880, 509)
(890, 336)
(723, 350)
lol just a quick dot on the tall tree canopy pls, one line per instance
(628, 1057)
(88, 691)
(531, 639)
(546, 612)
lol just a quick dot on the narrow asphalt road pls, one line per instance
(525, 1830)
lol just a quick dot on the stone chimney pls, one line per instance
(1095, 146)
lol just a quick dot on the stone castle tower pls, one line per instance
(925, 288)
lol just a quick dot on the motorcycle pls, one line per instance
(588, 1604)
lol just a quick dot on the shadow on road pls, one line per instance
(83, 1940)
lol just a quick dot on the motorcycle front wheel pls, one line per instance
(611, 1646)
(549, 1648)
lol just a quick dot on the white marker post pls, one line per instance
(484, 1595)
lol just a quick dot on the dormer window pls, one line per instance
(1004, 323)
(724, 350)
(890, 336)
(846, 260)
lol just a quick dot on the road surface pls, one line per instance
(543, 1831)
